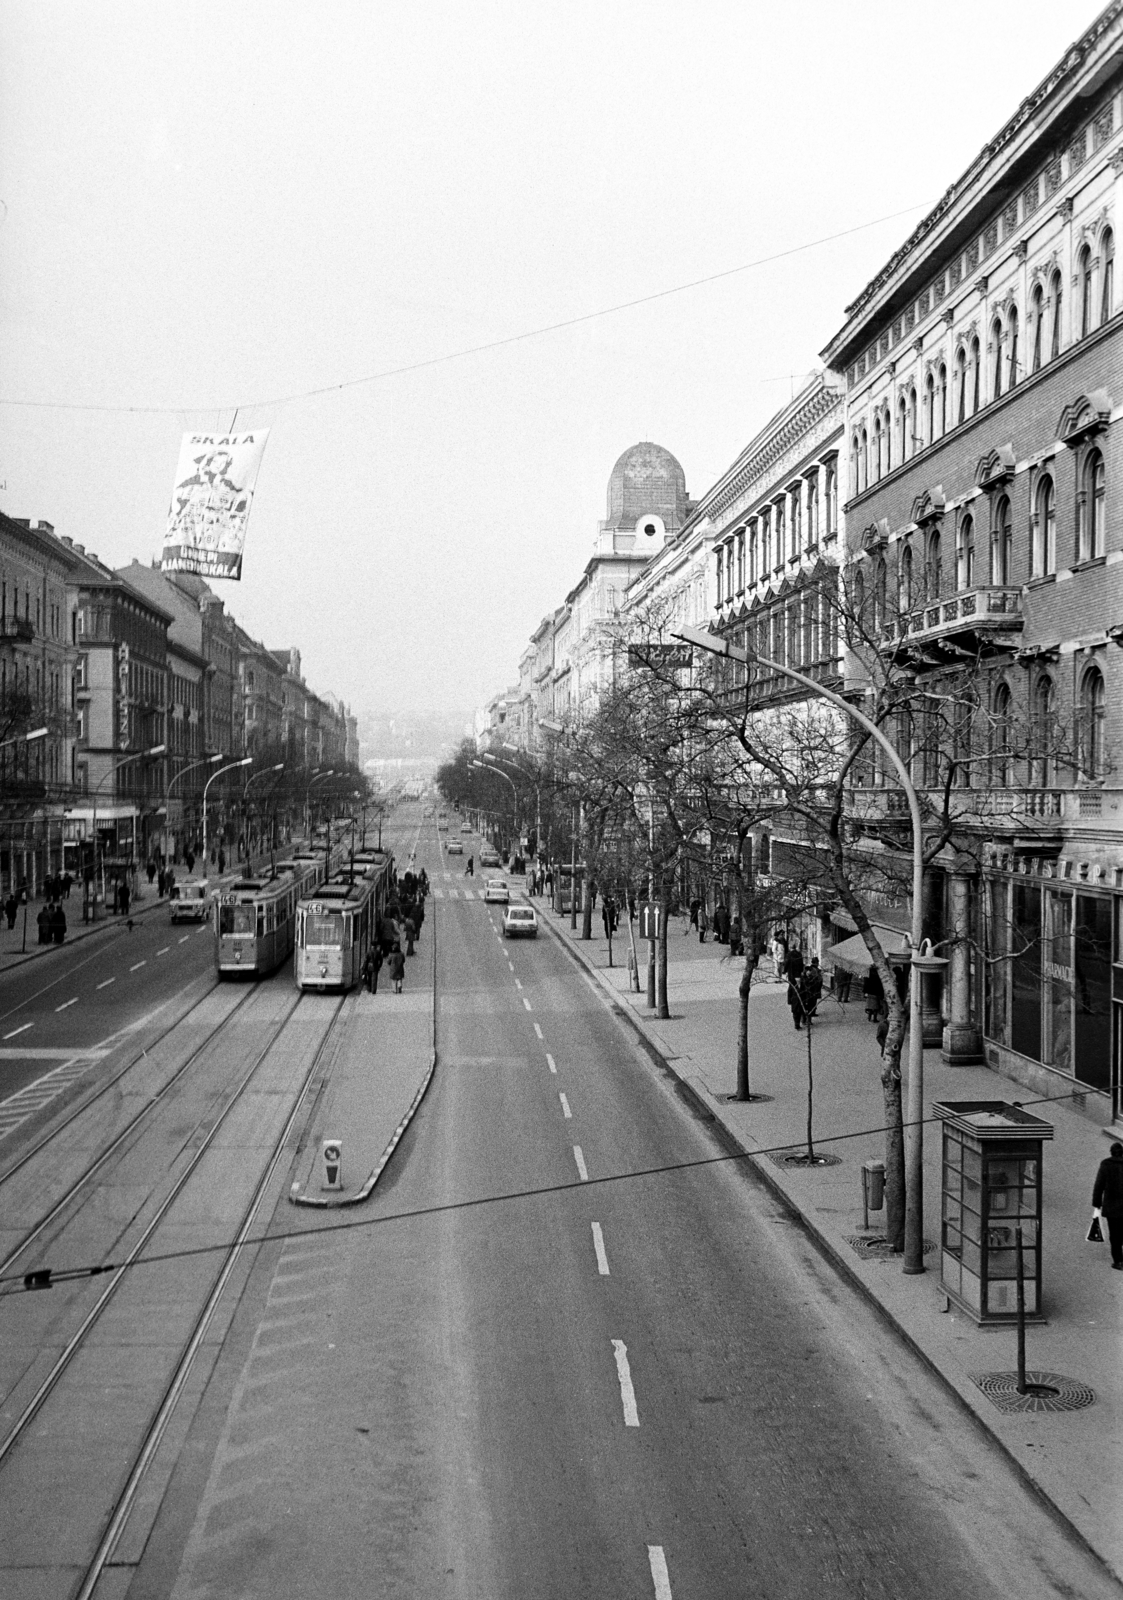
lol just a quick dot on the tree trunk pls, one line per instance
(634, 974)
(894, 1131)
(744, 988)
(810, 1086)
(662, 1010)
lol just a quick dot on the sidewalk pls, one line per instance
(1074, 1457)
(374, 1082)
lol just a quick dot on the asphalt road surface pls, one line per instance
(566, 1351)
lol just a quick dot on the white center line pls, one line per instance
(138, 966)
(164, 951)
(598, 1246)
(550, 1062)
(185, 938)
(19, 1030)
(660, 1577)
(518, 985)
(526, 1002)
(538, 1031)
(566, 1112)
(107, 982)
(582, 1170)
(627, 1393)
(511, 964)
(66, 1003)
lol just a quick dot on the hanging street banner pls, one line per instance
(211, 502)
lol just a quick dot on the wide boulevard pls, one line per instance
(568, 1348)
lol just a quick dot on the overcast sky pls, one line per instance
(210, 207)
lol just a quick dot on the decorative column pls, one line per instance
(962, 1044)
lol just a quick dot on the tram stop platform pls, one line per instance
(371, 1086)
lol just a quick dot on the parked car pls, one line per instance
(520, 922)
(489, 857)
(454, 847)
(190, 900)
(496, 890)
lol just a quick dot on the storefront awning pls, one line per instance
(841, 918)
(853, 956)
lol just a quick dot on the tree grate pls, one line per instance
(798, 1159)
(1048, 1391)
(876, 1247)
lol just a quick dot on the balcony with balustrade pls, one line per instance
(957, 623)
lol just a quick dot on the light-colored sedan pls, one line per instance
(497, 891)
(520, 922)
(454, 847)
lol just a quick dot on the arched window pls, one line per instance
(1012, 348)
(1107, 273)
(914, 434)
(832, 499)
(1001, 542)
(996, 350)
(930, 408)
(1044, 528)
(880, 584)
(720, 576)
(1001, 738)
(778, 509)
(740, 561)
(1090, 508)
(902, 429)
(942, 398)
(1037, 315)
(858, 600)
(813, 511)
(933, 572)
(905, 588)
(809, 630)
(960, 385)
(854, 460)
(795, 518)
(1084, 289)
(1092, 714)
(965, 554)
(878, 447)
(976, 374)
(754, 554)
(1056, 295)
(766, 544)
(1042, 731)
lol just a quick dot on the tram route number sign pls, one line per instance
(650, 919)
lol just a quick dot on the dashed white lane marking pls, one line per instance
(138, 966)
(526, 1002)
(108, 981)
(164, 951)
(660, 1577)
(22, 1029)
(67, 1003)
(566, 1112)
(582, 1170)
(550, 1062)
(518, 985)
(598, 1246)
(627, 1393)
(185, 938)
(537, 1029)
(511, 964)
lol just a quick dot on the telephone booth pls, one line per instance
(990, 1182)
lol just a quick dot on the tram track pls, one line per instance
(165, 1389)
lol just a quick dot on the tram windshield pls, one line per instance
(323, 928)
(236, 920)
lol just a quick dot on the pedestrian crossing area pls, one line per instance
(18, 1107)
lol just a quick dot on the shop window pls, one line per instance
(996, 971)
(1092, 971)
(1058, 981)
(1025, 971)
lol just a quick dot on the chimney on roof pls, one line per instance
(45, 527)
(22, 522)
(66, 539)
(81, 549)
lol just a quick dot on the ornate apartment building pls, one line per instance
(983, 371)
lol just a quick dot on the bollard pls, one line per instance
(331, 1154)
(873, 1189)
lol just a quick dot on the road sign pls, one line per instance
(331, 1153)
(650, 919)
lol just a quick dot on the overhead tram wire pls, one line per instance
(469, 350)
(46, 1277)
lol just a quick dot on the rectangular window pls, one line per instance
(1057, 988)
(1025, 971)
(1092, 964)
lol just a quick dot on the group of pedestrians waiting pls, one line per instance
(402, 920)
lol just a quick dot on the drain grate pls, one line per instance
(1048, 1391)
(798, 1158)
(876, 1247)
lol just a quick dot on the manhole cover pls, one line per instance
(799, 1158)
(876, 1247)
(1048, 1391)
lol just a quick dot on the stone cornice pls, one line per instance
(765, 451)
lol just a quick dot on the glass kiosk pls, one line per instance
(991, 1181)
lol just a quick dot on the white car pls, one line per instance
(454, 847)
(489, 857)
(190, 900)
(520, 922)
(497, 890)
(465, 827)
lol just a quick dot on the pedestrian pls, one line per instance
(11, 906)
(703, 925)
(1107, 1198)
(842, 980)
(811, 988)
(162, 883)
(374, 961)
(549, 880)
(873, 995)
(736, 947)
(221, 860)
(721, 923)
(123, 899)
(397, 967)
(882, 1035)
(190, 860)
(44, 922)
(410, 931)
(151, 871)
(779, 955)
(695, 908)
(795, 1002)
(58, 923)
(470, 869)
(67, 880)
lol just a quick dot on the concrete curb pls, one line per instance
(827, 1248)
(326, 1203)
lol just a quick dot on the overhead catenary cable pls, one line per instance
(468, 350)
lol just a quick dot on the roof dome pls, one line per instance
(647, 479)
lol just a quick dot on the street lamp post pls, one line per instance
(208, 761)
(921, 959)
(514, 749)
(265, 772)
(493, 762)
(229, 767)
(138, 755)
(317, 777)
